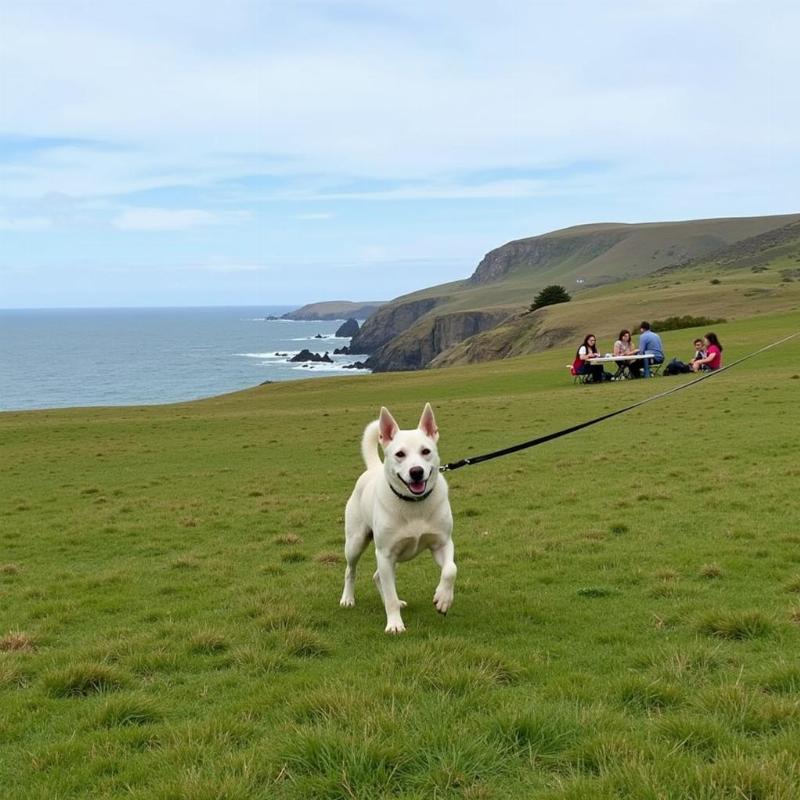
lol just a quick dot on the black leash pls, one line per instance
(464, 462)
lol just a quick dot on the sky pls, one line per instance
(260, 152)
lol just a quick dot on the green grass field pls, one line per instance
(627, 614)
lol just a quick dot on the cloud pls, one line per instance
(173, 219)
(318, 215)
(432, 128)
(424, 91)
(24, 224)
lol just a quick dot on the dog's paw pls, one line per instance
(395, 626)
(443, 599)
(403, 603)
(347, 602)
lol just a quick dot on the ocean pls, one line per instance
(55, 358)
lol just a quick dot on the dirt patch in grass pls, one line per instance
(17, 641)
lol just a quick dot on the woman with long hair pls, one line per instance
(587, 352)
(624, 346)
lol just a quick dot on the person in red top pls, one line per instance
(713, 357)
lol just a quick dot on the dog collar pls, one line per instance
(411, 498)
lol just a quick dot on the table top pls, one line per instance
(606, 359)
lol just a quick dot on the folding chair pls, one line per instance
(578, 377)
(622, 373)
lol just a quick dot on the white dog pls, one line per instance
(402, 504)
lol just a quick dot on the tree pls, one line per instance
(549, 296)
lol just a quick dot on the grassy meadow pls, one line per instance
(627, 613)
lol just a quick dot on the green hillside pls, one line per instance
(438, 320)
(736, 283)
(335, 309)
(627, 608)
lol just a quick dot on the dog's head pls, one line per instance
(410, 458)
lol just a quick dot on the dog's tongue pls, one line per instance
(417, 488)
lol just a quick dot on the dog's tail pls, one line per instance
(369, 446)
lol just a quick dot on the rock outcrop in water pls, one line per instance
(307, 355)
(349, 328)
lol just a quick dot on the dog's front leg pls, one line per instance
(444, 557)
(391, 602)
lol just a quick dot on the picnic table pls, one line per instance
(621, 360)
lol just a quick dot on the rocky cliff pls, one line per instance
(521, 333)
(542, 252)
(348, 329)
(423, 341)
(389, 321)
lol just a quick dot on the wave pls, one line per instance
(324, 337)
(280, 355)
(315, 366)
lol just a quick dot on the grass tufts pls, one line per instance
(793, 585)
(326, 764)
(82, 680)
(619, 528)
(208, 643)
(539, 735)
(287, 538)
(735, 624)
(702, 735)
(594, 591)
(749, 711)
(305, 643)
(782, 680)
(710, 571)
(638, 694)
(329, 558)
(128, 710)
(280, 617)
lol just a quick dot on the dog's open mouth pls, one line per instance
(418, 487)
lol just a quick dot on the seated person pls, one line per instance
(677, 367)
(713, 357)
(699, 351)
(649, 344)
(586, 353)
(623, 347)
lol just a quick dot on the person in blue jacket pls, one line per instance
(650, 344)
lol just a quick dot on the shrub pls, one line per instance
(687, 321)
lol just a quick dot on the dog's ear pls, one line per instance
(427, 423)
(387, 427)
